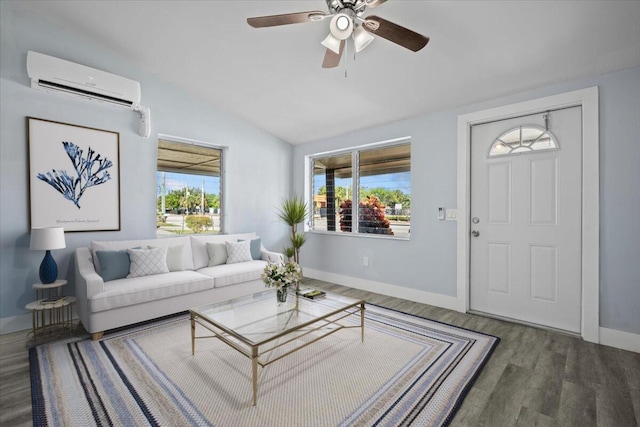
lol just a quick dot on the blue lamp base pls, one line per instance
(48, 269)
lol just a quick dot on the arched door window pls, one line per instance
(523, 139)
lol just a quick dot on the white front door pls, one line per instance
(526, 209)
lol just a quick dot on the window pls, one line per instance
(378, 177)
(189, 188)
(523, 139)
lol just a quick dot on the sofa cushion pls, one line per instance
(116, 245)
(115, 264)
(238, 252)
(217, 253)
(256, 248)
(175, 258)
(232, 274)
(145, 262)
(199, 248)
(137, 290)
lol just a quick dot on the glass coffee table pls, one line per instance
(266, 331)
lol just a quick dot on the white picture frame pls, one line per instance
(74, 176)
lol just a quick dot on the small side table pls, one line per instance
(52, 290)
(51, 313)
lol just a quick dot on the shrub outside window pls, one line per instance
(378, 177)
(189, 195)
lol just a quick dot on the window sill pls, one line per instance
(359, 235)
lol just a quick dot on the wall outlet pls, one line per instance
(365, 261)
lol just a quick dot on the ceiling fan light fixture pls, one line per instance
(341, 26)
(332, 43)
(361, 38)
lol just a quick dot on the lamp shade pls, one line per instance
(361, 38)
(332, 43)
(341, 26)
(44, 239)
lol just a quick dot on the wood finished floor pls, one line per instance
(534, 378)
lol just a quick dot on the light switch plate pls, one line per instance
(451, 215)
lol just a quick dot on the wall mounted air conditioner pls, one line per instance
(57, 75)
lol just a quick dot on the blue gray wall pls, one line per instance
(254, 156)
(428, 261)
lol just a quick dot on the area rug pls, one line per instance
(408, 371)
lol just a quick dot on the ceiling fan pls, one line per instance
(347, 20)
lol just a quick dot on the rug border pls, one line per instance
(474, 377)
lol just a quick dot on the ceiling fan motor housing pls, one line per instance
(336, 6)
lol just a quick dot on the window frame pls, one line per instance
(223, 171)
(526, 149)
(355, 186)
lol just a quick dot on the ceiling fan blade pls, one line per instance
(332, 59)
(374, 3)
(395, 33)
(284, 19)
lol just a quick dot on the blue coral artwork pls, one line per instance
(89, 172)
(74, 176)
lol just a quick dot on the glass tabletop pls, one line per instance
(259, 317)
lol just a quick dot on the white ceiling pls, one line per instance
(272, 77)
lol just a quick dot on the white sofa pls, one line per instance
(104, 305)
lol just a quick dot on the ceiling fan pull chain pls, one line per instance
(346, 57)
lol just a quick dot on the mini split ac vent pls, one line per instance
(57, 75)
(83, 92)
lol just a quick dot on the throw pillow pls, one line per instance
(217, 253)
(115, 264)
(238, 252)
(175, 259)
(146, 262)
(256, 250)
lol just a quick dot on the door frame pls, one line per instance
(588, 100)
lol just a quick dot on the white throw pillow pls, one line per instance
(238, 252)
(217, 253)
(175, 259)
(146, 262)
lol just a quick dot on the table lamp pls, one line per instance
(47, 239)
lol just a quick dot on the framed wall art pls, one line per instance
(74, 176)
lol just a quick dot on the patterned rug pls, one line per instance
(408, 371)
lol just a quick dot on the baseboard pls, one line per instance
(444, 301)
(620, 339)
(611, 337)
(22, 322)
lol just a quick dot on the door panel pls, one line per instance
(500, 268)
(544, 273)
(544, 191)
(499, 193)
(526, 258)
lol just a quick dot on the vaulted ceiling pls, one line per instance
(272, 77)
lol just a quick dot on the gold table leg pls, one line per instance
(34, 319)
(254, 373)
(193, 334)
(362, 321)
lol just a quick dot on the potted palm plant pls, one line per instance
(292, 212)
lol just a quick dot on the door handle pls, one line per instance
(475, 233)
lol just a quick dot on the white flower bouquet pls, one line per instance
(281, 275)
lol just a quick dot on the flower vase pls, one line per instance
(281, 294)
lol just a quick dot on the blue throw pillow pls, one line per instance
(115, 264)
(256, 250)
